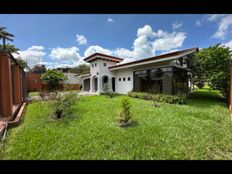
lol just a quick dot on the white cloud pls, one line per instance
(198, 23)
(81, 39)
(33, 55)
(177, 25)
(110, 20)
(223, 27)
(145, 31)
(145, 45)
(169, 41)
(65, 54)
(148, 42)
(214, 17)
(96, 49)
(54, 65)
(229, 44)
(124, 53)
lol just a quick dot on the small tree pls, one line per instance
(64, 104)
(107, 91)
(125, 113)
(52, 78)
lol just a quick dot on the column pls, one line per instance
(91, 84)
(6, 87)
(99, 84)
(17, 84)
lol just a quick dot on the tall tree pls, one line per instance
(81, 69)
(39, 69)
(10, 48)
(4, 35)
(213, 65)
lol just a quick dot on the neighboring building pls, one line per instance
(33, 78)
(72, 82)
(13, 87)
(64, 69)
(34, 82)
(167, 73)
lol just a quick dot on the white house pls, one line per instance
(167, 73)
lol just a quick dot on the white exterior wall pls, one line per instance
(100, 68)
(71, 79)
(123, 87)
(102, 71)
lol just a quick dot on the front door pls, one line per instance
(113, 84)
(95, 84)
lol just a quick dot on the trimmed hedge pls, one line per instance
(171, 99)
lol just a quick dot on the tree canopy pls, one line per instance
(52, 78)
(5, 36)
(212, 65)
(81, 69)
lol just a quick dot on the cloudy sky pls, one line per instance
(59, 40)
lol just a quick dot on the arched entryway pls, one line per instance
(105, 81)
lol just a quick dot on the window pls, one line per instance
(119, 79)
(124, 79)
(95, 64)
(97, 73)
(104, 64)
(92, 65)
(128, 78)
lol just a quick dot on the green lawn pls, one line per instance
(199, 130)
(32, 94)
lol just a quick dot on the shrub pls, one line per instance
(172, 99)
(125, 112)
(107, 91)
(63, 104)
(43, 94)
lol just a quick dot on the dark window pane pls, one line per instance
(128, 78)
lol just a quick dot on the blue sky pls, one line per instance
(58, 40)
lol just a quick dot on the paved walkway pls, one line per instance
(34, 98)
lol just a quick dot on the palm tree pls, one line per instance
(4, 35)
(10, 48)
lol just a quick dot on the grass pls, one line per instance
(32, 94)
(199, 130)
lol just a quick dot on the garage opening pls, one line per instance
(86, 84)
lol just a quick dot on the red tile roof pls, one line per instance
(102, 56)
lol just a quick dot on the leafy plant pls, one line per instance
(107, 91)
(212, 65)
(125, 112)
(63, 105)
(52, 78)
